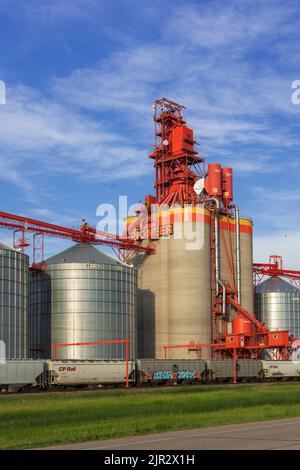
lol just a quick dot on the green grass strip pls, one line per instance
(58, 418)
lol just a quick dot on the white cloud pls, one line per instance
(230, 99)
(127, 82)
(39, 136)
(278, 243)
(217, 25)
(279, 195)
(96, 123)
(51, 12)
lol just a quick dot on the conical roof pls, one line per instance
(5, 246)
(275, 284)
(83, 253)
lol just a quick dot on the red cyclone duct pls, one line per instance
(214, 180)
(241, 325)
(227, 184)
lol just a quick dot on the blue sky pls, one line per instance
(81, 78)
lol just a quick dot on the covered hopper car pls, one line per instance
(17, 375)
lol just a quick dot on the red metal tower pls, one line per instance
(177, 165)
(177, 168)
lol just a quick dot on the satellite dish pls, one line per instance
(165, 142)
(199, 186)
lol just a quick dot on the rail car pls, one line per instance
(159, 371)
(281, 370)
(22, 375)
(74, 373)
(18, 375)
(162, 371)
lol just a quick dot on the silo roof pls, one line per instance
(5, 246)
(275, 284)
(83, 253)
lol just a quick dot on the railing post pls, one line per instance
(234, 366)
(127, 365)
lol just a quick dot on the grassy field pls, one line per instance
(44, 419)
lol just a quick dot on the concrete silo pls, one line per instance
(174, 306)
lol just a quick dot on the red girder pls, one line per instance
(86, 234)
(275, 269)
(260, 326)
(272, 271)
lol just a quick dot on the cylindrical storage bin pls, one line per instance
(83, 296)
(228, 251)
(14, 270)
(241, 325)
(174, 306)
(277, 304)
(227, 184)
(214, 179)
(174, 287)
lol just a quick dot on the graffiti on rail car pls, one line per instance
(170, 375)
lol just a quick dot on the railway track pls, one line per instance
(104, 389)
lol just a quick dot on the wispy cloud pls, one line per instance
(40, 135)
(231, 99)
(50, 12)
(220, 25)
(278, 243)
(230, 63)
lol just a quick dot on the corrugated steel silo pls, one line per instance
(14, 271)
(84, 295)
(277, 304)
